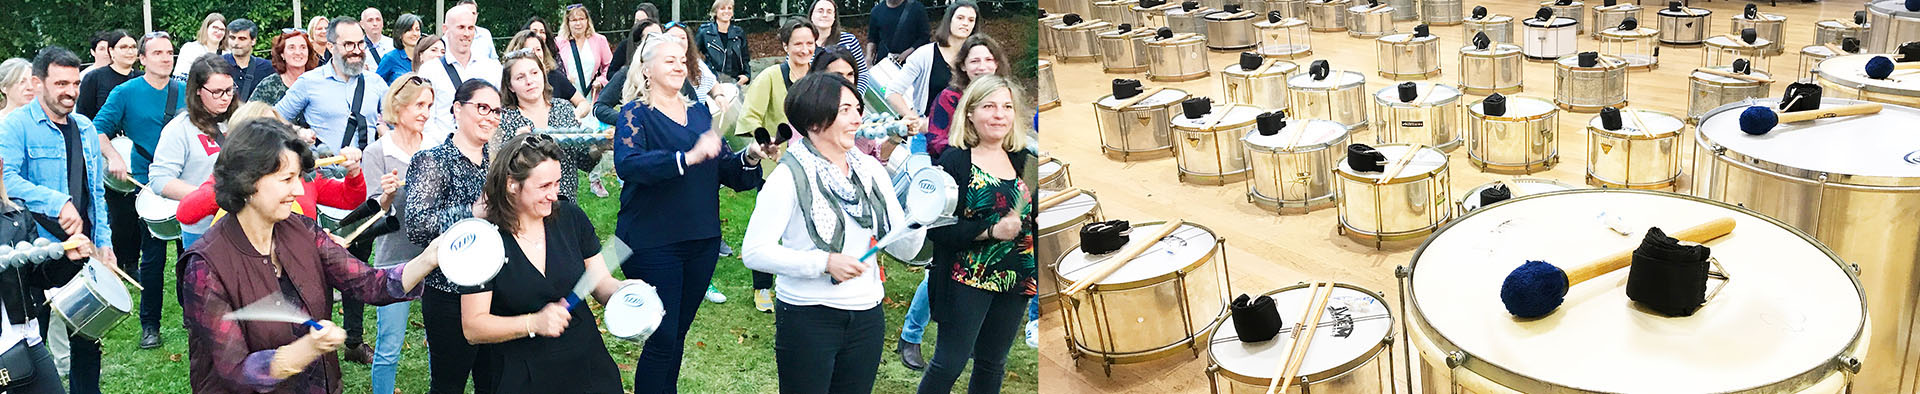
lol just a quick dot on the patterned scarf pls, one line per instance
(825, 196)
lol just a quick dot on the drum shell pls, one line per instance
(1054, 242)
(1177, 59)
(1351, 377)
(1499, 29)
(1288, 8)
(1117, 12)
(1152, 18)
(1542, 41)
(1369, 24)
(1708, 92)
(87, 303)
(1832, 32)
(1498, 69)
(1434, 124)
(1682, 30)
(1049, 94)
(1769, 27)
(1189, 21)
(1575, 11)
(1230, 33)
(1290, 38)
(1082, 7)
(1403, 10)
(1889, 24)
(1141, 129)
(1635, 47)
(1722, 51)
(1298, 179)
(1625, 158)
(1212, 155)
(1059, 179)
(1514, 143)
(165, 227)
(1078, 43)
(1413, 58)
(1267, 91)
(1124, 52)
(1346, 103)
(1142, 319)
(1327, 16)
(1587, 89)
(1441, 12)
(1610, 17)
(1408, 208)
(1850, 83)
(1049, 33)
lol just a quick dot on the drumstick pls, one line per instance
(1734, 75)
(1638, 124)
(1129, 102)
(1513, 189)
(1302, 337)
(1394, 168)
(1604, 61)
(1374, 8)
(1907, 66)
(1058, 198)
(329, 161)
(1537, 288)
(1121, 260)
(1045, 159)
(1836, 49)
(1847, 23)
(1263, 68)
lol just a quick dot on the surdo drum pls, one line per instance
(1441, 12)
(1296, 9)
(1189, 20)
(1284, 38)
(1056, 174)
(1723, 50)
(1404, 10)
(1496, 68)
(1355, 330)
(1548, 39)
(1059, 233)
(1769, 27)
(1640, 151)
(1078, 41)
(1589, 81)
(1890, 24)
(1831, 31)
(159, 213)
(1408, 55)
(1423, 114)
(92, 302)
(1205, 141)
(1118, 12)
(1293, 166)
(1049, 94)
(1368, 21)
(1124, 50)
(1153, 16)
(1574, 10)
(1609, 16)
(1845, 77)
(1180, 57)
(1339, 96)
(1138, 129)
(1231, 29)
(1377, 209)
(1812, 55)
(1327, 15)
(1636, 46)
(1683, 26)
(1162, 303)
(1709, 91)
(1263, 85)
(1518, 136)
(1049, 30)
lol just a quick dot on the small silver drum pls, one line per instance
(1609, 16)
(1684, 27)
(1576, 11)
(92, 302)
(1636, 46)
(1587, 89)
(1162, 303)
(1059, 233)
(1527, 187)
(1296, 9)
(1183, 20)
(1293, 168)
(1798, 342)
(159, 213)
(1139, 131)
(1342, 97)
(1357, 328)
(1403, 56)
(1049, 94)
(1846, 77)
(1182, 57)
(1327, 15)
(1431, 118)
(1496, 69)
(1079, 42)
(1522, 141)
(1708, 91)
(1769, 27)
(1153, 17)
(1404, 10)
(1811, 56)
(1643, 154)
(1889, 24)
(1056, 174)
(1287, 39)
(1546, 40)
(1264, 87)
(1231, 31)
(1723, 50)
(1206, 144)
(1409, 206)
(1833, 31)
(125, 147)
(1365, 21)
(1441, 12)
(1499, 28)
(1124, 51)
(1117, 12)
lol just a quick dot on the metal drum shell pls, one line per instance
(1406, 207)
(1810, 58)
(1588, 89)
(1176, 59)
(1497, 69)
(1296, 9)
(1470, 200)
(1227, 32)
(1117, 12)
(1059, 233)
(1632, 159)
(91, 302)
(1082, 7)
(1048, 33)
(1404, 10)
(1124, 52)
(1770, 27)
(1516, 143)
(1499, 28)
(1434, 121)
(1441, 12)
(1266, 90)
(1723, 51)
(1402, 56)
(1189, 21)
(1289, 38)
(1341, 98)
(1844, 77)
(1364, 24)
(1060, 177)
(1889, 24)
(1049, 96)
(1832, 31)
(1548, 40)
(1298, 178)
(1347, 377)
(1079, 43)
(1207, 148)
(1636, 47)
(1196, 294)
(1576, 11)
(1141, 131)
(1608, 17)
(1327, 16)
(1685, 28)
(1707, 91)
(1155, 17)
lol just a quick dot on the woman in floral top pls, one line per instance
(983, 267)
(291, 57)
(529, 104)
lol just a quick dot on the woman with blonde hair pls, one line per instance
(405, 110)
(15, 88)
(317, 27)
(584, 53)
(211, 38)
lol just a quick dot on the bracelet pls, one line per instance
(529, 321)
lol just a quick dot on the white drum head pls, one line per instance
(1727, 42)
(1427, 160)
(1352, 331)
(1657, 123)
(155, 208)
(1527, 186)
(1186, 246)
(125, 146)
(1310, 133)
(1047, 170)
(1335, 79)
(334, 213)
(1168, 96)
(1789, 308)
(1729, 80)
(931, 195)
(1231, 115)
(1518, 107)
(107, 286)
(634, 312)
(1851, 71)
(1879, 145)
(1556, 23)
(1071, 209)
(474, 254)
(1437, 94)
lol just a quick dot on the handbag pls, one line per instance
(16, 366)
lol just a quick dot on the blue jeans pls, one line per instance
(390, 331)
(914, 325)
(680, 272)
(1033, 309)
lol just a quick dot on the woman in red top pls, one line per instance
(337, 193)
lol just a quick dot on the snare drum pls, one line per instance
(1527, 186)
(1409, 206)
(1059, 233)
(1124, 51)
(1403, 56)
(1833, 31)
(1441, 12)
(1140, 131)
(1327, 15)
(1342, 97)
(1154, 17)
(1723, 50)
(1491, 70)
(1264, 87)
(1176, 59)
(1078, 42)
(1609, 16)
(1404, 10)
(1295, 9)
(1643, 154)
(1499, 28)
(1430, 121)
(159, 213)
(1056, 175)
(1576, 11)
(125, 146)
(1366, 21)
(1183, 20)
(1685, 27)
(1845, 77)
(1708, 91)
(1206, 149)
(1117, 12)
(1356, 328)
(1548, 40)
(1852, 197)
(1293, 168)
(92, 302)
(1636, 47)
(1231, 31)
(1286, 39)
(1164, 302)
(1749, 337)
(1889, 24)
(1587, 89)
(1768, 27)
(1049, 94)
(1523, 141)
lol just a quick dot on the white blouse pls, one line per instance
(777, 242)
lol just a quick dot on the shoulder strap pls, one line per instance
(803, 195)
(356, 126)
(173, 102)
(452, 74)
(786, 74)
(579, 71)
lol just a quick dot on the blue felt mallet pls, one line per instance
(1536, 288)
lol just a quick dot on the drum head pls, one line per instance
(1180, 251)
(1789, 309)
(1880, 145)
(1231, 117)
(1073, 208)
(1437, 94)
(1723, 80)
(1726, 42)
(474, 254)
(335, 213)
(1353, 329)
(931, 195)
(107, 286)
(155, 208)
(1659, 124)
(1528, 187)
(1850, 71)
(1428, 160)
(634, 312)
(1336, 79)
(1519, 107)
(1556, 23)
(1165, 97)
(1047, 170)
(1311, 134)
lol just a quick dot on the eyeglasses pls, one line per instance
(350, 45)
(228, 92)
(483, 109)
(669, 26)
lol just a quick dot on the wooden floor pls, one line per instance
(1267, 250)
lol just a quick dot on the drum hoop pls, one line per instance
(1474, 193)
(1361, 83)
(1555, 111)
(1523, 383)
(1222, 126)
(1846, 181)
(1346, 133)
(1619, 65)
(1701, 77)
(1864, 85)
(1338, 371)
(1636, 136)
(1491, 20)
(1078, 219)
(1137, 107)
(1764, 18)
(1218, 244)
(1404, 178)
(1628, 35)
(1451, 101)
(1173, 43)
(1280, 69)
(1064, 167)
(1126, 35)
(1689, 13)
(1496, 52)
(1284, 23)
(1875, 7)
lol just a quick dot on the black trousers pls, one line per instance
(821, 349)
(128, 230)
(450, 358)
(46, 377)
(980, 326)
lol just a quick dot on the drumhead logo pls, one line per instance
(464, 241)
(633, 300)
(1913, 157)
(926, 186)
(1342, 322)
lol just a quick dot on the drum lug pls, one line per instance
(1401, 272)
(1855, 268)
(1851, 364)
(1456, 358)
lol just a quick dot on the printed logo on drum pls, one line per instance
(465, 240)
(926, 186)
(633, 300)
(1913, 157)
(1342, 322)
(1413, 123)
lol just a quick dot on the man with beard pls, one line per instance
(337, 100)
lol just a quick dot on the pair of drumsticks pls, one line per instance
(1302, 337)
(1135, 250)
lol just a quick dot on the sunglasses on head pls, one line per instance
(576, 6)
(157, 34)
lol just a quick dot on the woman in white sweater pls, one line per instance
(927, 70)
(189, 145)
(210, 39)
(819, 210)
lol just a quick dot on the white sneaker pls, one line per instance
(1033, 334)
(714, 296)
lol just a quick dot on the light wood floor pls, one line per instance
(1267, 250)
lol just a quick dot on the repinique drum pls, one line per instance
(634, 312)
(1587, 89)
(1049, 94)
(1285, 39)
(1059, 233)
(1140, 131)
(1264, 87)
(1182, 57)
(159, 213)
(1403, 56)
(1078, 42)
(1124, 51)
(1709, 91)
(1548, 40)
(1408, 206)
(1804, 341)
(1403, 10)
(1609, 16)
(1833, 31)
(1153, 17)
(1723, 50)
(1117, 12)
(1206, 147)
(1441, 12)
(1768, 27)
(1846, 77)
(1522, 141)
(1184, 20)
(1843, 198)
(1636, 47)
(1296, 9)
(1890, 24)
(1643, 154)
(1366, 21)
(1228, 31)
(1499, 28)
(1357, 328)
(125, 147)
(1684, 27)
(1527, 187)
(330, 217)
(1327, 15)
(1293, 168)
(1575, 10)
(1491, 70)
(1162, 303)
(1342, 97)
(1431, 118)
(1056, 174)
(92, 302)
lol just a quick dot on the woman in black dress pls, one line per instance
(539, 344)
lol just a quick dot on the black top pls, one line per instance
(442, 185)
(938, 79)
(903, 27)
(726, 52)
(562, 89)
(577, 361)
(249, 77)
(78, 187)
(95, 86)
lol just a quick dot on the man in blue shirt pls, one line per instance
(326, 96)
(248, 70)
(139, 109)
(52, 162)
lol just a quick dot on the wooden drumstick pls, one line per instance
(1829, 112)
(1044, 160)
(1835, 48)
(1123, 258)
(1734, 75)
(1302, 337)
(329, 161)
(1374, 8)
(1907, 66)
(1847, 24)
(1513, 189)
(1129, 102)
(1604, 61)
(1638, 124)
(1058, 198)
(1394, 168)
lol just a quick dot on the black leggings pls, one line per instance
(819, 349)
(979, 325)
(450, 358)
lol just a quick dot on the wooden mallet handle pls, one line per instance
(1302, 336)
(1747, 77)
(1700, 233)
(1393, 169)
(1136, 99)
(1844, 110)
(1906, 65)
(1058, 198)
(1121, 260)
(1045, 159)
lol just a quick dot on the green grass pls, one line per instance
(730, 349)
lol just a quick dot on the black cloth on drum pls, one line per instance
(1274, 17)
(1910, 51)
(1163, 33)
(1232, 8)
(1255, 319)
(1250, 61)
(1801, 96)
(1479, 12)
(1196, 107)
(1270, 123)
(1631, 23)
(1742, 66)
(1494, 194)
(1364, 158)
(1408, 91)
(1752, 11)
(1319, 69)
(1544, 14)
(1125, 27)
(1610, 118)
(1071, 19)
(1494, 105)
(1480, 40)
(1125, 88)
(1421, 30)
(1666, 276)
(1850, 45)
(1674, 6)
(1748, 35)
(1589, 59)
(1099, 238)
(1189, 5)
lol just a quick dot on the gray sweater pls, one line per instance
(185, 154)
(392, 248)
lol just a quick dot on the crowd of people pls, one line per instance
(432, 126)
